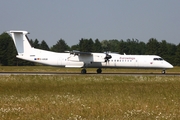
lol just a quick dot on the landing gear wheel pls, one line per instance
(83, 71)
(163, 72)
(99, 70)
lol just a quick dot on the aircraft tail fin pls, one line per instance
(21, 41)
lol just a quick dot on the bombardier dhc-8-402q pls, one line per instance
(84, 60)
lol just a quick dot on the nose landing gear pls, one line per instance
(163, 72)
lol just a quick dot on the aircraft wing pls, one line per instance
(88, 57)
(75, 52)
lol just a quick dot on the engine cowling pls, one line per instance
(107, 57)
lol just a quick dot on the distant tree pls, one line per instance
(7, 50)
(152, 47)
(86, 45)
(44, 46)
(132, 46)
(141, 48)
(105, 45)
(177, 59)
(21, 62)
(31, 42)
(113, 45)
(171, 53)
(163, 50)
(90, 45)
(60, 46)
(83, 43)
(36, 44)
(75, 47)
(171, 49)
(97, 46)
(123, 47)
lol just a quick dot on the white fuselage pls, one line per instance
(95, 60)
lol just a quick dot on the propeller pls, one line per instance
(107, 57)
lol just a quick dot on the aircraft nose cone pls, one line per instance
(169, 65)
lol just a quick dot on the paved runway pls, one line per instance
(108, 74)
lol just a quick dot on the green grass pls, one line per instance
(89, 97)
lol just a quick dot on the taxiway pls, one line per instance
(108, 74)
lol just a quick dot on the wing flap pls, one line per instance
(74, 66)
(75, 52)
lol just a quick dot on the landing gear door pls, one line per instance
(136, 63)
(62, 61)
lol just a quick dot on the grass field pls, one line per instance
(87, 97)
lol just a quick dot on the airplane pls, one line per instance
(77, 59)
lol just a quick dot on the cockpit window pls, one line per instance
(155, 58)
(160, 59)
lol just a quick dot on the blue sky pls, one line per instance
(72, 20)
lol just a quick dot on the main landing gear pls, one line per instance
(99, 70)
(83, 71)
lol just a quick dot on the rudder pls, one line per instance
(21, 41)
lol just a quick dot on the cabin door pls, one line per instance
(136, 63)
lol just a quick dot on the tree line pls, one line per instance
(170, 52)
